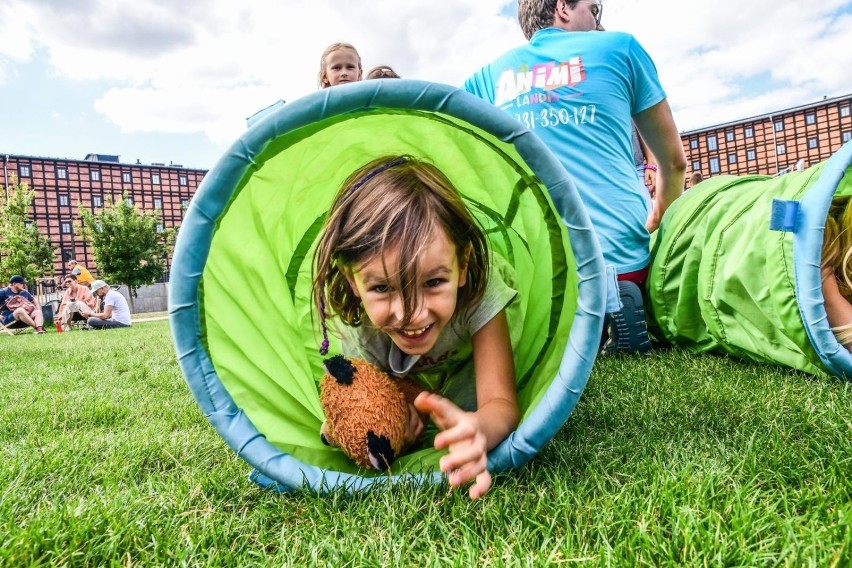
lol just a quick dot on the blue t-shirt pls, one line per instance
(5, 294)
(578, 92)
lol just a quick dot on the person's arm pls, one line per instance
(90, 300)
(106, 314)
(63, 303)
(650, 167)
(657, 128)
(470, 435)
(837, 308)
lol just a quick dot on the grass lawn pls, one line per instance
(671, 459)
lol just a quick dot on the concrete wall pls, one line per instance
(154, 298)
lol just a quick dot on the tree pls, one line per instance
(24, 249)
(129, 246)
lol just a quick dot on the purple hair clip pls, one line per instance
(324, 347)
(373, 173)
(377, 171)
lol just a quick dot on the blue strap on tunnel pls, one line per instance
(784, 215)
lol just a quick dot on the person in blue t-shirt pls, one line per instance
(581, 92)
(16, 304)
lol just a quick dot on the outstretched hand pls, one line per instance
(461, 432)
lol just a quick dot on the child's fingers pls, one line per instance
(461, 432)
(468, 471)
(460, 456)
(481, 486)
(444, 413)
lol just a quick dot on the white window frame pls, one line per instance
(712, 142)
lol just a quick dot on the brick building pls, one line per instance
(61, 186)
(773, 143)
(767, 144)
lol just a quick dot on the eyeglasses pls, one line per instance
(596, 9)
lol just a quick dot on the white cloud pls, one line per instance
(205, 66)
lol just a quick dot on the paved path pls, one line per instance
(157, 318)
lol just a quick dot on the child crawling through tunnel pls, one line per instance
(837, 269)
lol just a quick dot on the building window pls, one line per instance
(779, 125)
(693, 144)
(847, 136)
(155, 179)
(810, 118)
(95, 175)
(63, 200)
(24, 171)
(844, 111)
(751, 155)
(749, 132)
(729, 136)
(184, 204)
(97, 201)
(125, 177)
(158, 203)
(66, 228)
(129, 200)
(182, 180)
(714, 165)
(696, 166)
(61, 173)
(732, 158)
(781, 149)
(813, 142)
(160, 228)
(711, 142)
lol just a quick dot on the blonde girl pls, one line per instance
(404, 267)
(339, 64)
(837, 269)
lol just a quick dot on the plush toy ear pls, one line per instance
(379, 451)
(340, 368)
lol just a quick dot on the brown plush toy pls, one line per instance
(366, 411)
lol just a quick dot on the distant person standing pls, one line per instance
(82, 273)
(114, 311)
(581, 92)
(695, 179)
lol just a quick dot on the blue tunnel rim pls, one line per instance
(807, 263)
(279, 470)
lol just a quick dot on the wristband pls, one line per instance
(651, 167)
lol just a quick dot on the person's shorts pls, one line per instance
(8, 318)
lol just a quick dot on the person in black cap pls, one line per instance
(16, 304)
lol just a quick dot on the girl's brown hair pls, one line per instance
(394, 201)
(837, 255)
(382, 72)
(328, 51)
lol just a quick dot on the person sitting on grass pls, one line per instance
(16, 304)
(115, 311)
(82, 273)
(78, 303)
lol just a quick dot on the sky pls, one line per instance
(173, 81)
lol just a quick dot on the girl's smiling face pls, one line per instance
(341, 66)
(442, 274)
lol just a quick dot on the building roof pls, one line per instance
(101, 158)
(769, 115)
(88, 159)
